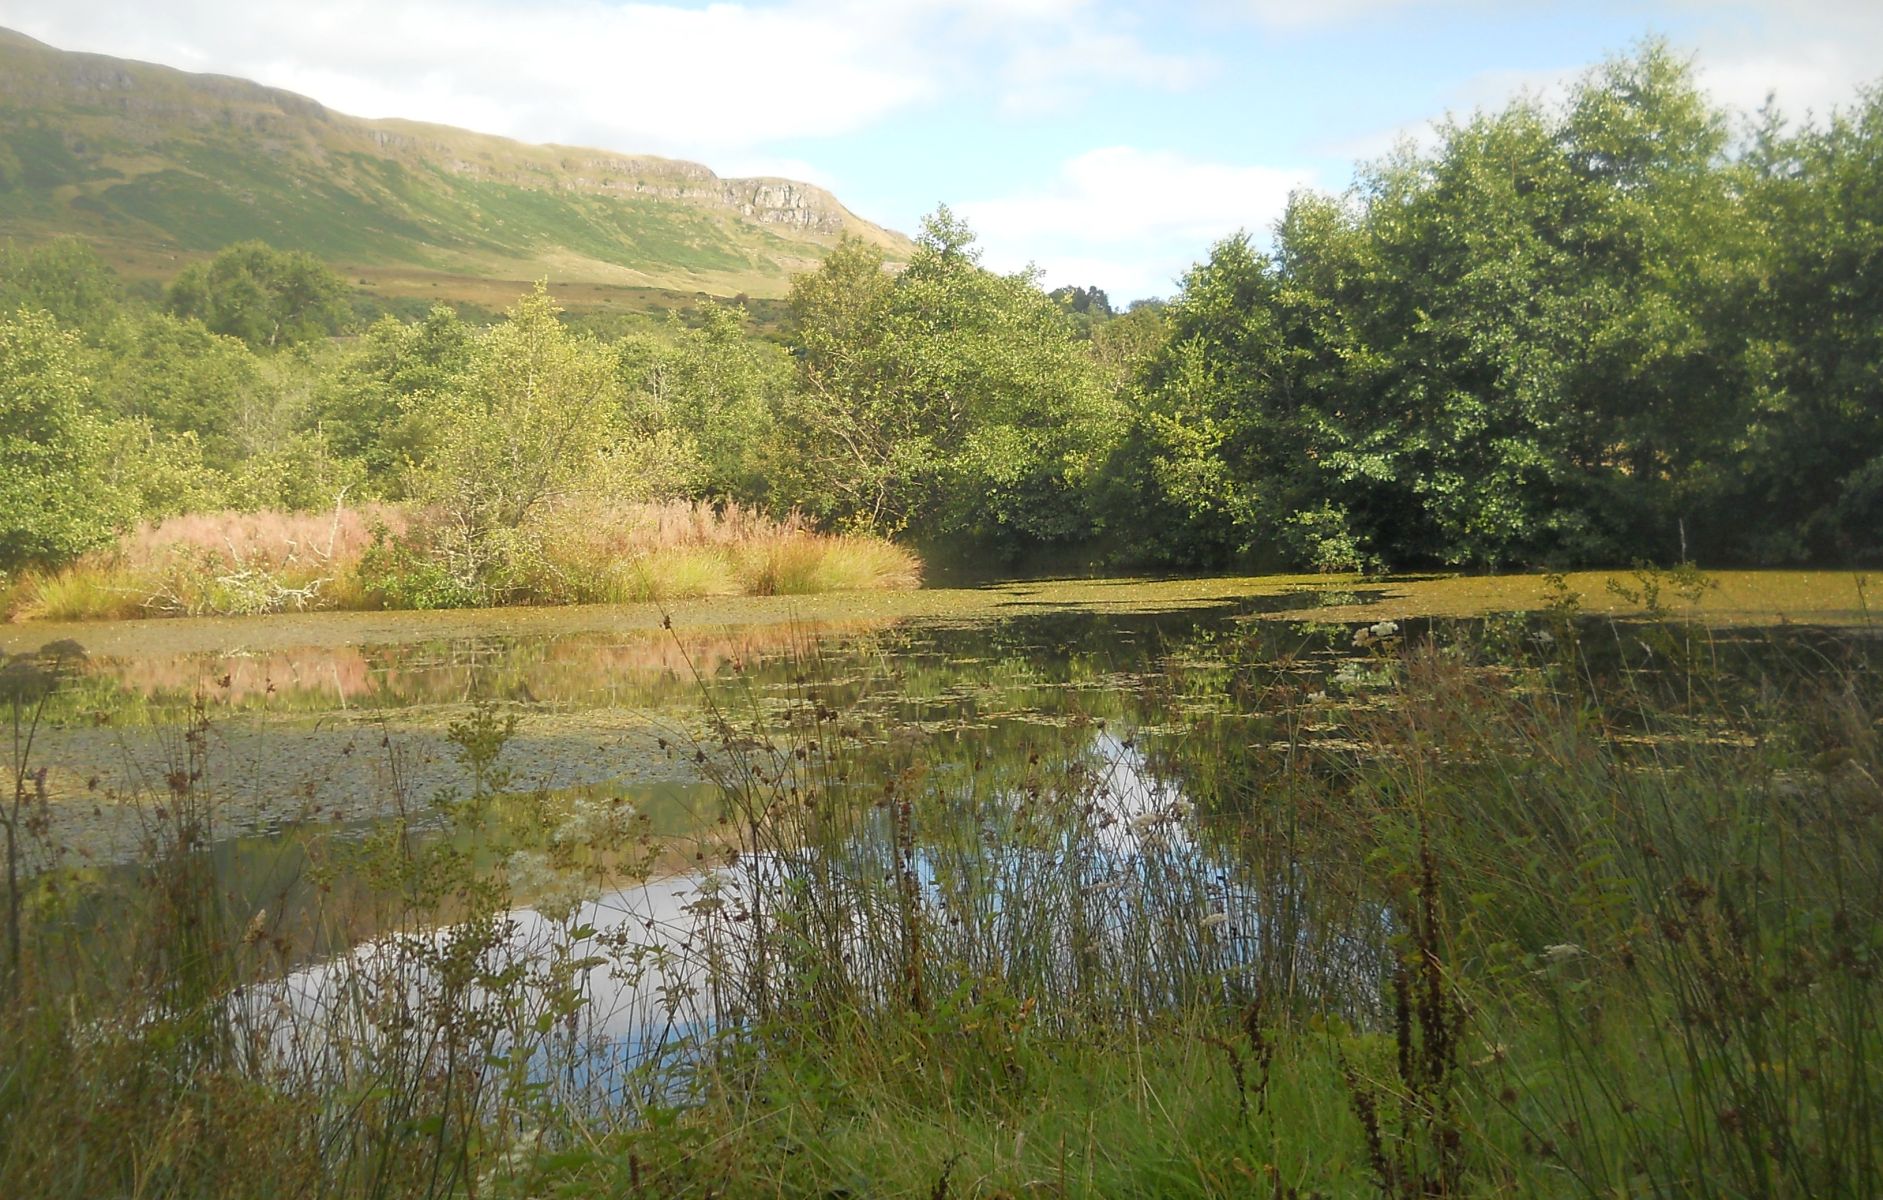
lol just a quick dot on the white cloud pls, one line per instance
(1309, 14)
(630, 77)
(1812, 54)
(1809, 57)
(639, 76)
(1489, 90)
(1121, 193)
(1047, 76)
(749, 164)
(1129, 219)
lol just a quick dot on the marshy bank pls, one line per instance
(1171, 888)
(388, 557)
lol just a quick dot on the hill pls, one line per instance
(157, 167)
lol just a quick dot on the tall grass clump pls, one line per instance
(391, 1023)
(578, 552)
(212, 564)
(585, 550)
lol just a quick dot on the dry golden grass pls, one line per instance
(230, 563)
(264, 538)
(211, 564)
(688, 550)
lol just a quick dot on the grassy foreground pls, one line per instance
(1549, 907)
(234, 564)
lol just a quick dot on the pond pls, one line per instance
(333, 719)
(1085, 784)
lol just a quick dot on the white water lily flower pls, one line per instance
(1213, 921)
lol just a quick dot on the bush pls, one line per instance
(404, 571)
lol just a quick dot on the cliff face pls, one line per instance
(146, 160)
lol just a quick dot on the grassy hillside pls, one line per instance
(157, 167)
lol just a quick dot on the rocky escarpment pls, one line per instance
(769, 201)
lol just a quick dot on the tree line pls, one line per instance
(1618, 327)
(1625, 325)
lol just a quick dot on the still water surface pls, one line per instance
(330, 718)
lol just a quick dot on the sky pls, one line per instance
(1104, 142)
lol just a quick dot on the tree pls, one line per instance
(534, 419)
(1184, 483)
(178, 377)
(1527, 344)
(1808, 480)
(1123, 345)
(64, 277)
(713, 384)
(1666, 270)
(1089, 307)
(266, 297)
(947, 400)
(367, 409)
(841, 429)
(53, 505)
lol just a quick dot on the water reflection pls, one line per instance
(1108, 884)
(331, 733)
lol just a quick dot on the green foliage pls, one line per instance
(265, 297)
(533, 420)
(1123, 344)
(1091, 301)
(946, 400)
(1809, 477)
(179, 378)
(712, 384)
(294, 472)
(64, 277)
(1600, 330)
(1557, 336)
(159, 475)
(1189, 481)
(371, 410)
(53, 502)
(403, 573)
(529, 419)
